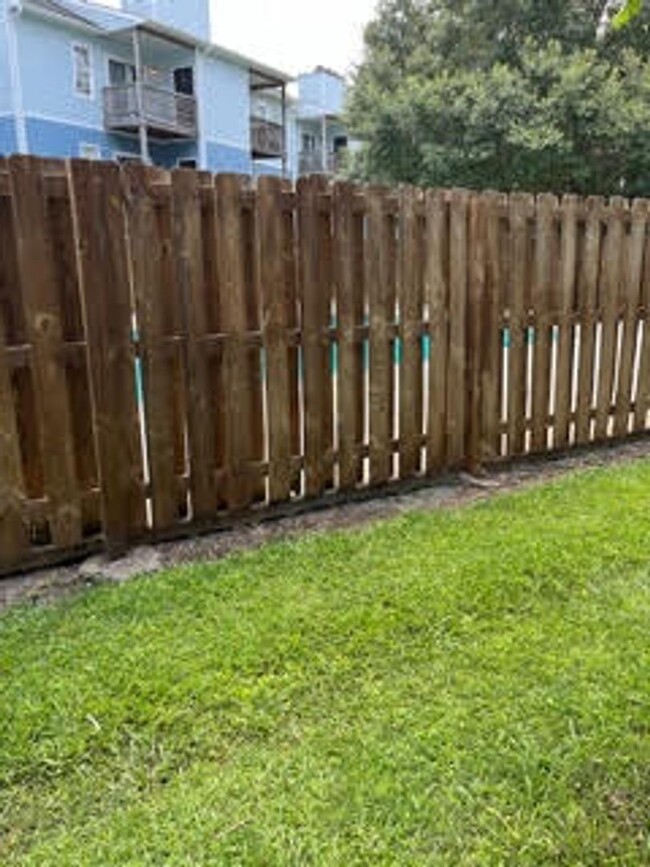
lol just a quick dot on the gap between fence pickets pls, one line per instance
(508, 339)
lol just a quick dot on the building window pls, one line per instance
(184, 80)
(124, 159)
(120, 73)
(90, 151)
(308, 143)
(83, 70)
(186, 163)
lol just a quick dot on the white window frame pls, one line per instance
(86, 147)
(84, 46)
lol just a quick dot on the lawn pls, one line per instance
(469, 687)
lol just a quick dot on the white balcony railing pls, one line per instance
(163, 111)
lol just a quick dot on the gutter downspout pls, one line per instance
(14, 10)
(139, 99)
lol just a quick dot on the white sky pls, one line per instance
(292, 35)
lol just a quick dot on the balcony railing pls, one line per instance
(165, 113)
(311, 162)
(267, 138)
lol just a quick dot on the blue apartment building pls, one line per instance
(145, 82)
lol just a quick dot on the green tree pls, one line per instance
(507, 94)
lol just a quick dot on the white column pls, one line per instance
(15, 81)
(201, 97)
(324, 143)
(139, 99)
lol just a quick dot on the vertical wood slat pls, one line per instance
(377, 279)
(642, 402)
(630, 297)
(349, 306)
(436, 294)
(520, 207)
(14, 540)
(316, 307)
(203, 318)
(43, 319)
(189, 245)
(81, 419)
(476, 337)
(237, 386)
(611, 276)
(100, 231)
(151, 295)
(294, 319)
(589, 277)
(543, 300)
(270, 277)
(568, 258)
(457, 363)
(11, 311)
(491, 329)
(410, 318)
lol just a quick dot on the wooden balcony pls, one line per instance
(311, 162)
(166, 114)
(267, 138)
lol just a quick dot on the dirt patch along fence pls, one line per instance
(179, 348)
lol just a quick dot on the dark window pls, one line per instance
(187, 163)
(340, 142)
(184, 80)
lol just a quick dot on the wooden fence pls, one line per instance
(177, 349)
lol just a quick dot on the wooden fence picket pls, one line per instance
(521, 206)
(377, 276)
(609, 302)
(588, 289)
(490, 380)
(14, 540)
(152, 296)
(630, 297)
(436, 291)
(44, 327)
(348, 280)
(100, 230)
(410, 295)
(316, 297)
(457, 392)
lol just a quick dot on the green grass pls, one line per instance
(460, 688)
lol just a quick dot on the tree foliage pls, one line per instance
(506, 94)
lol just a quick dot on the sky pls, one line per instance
(292, 35)
(295, 35)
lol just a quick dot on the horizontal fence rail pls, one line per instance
(177, 348)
